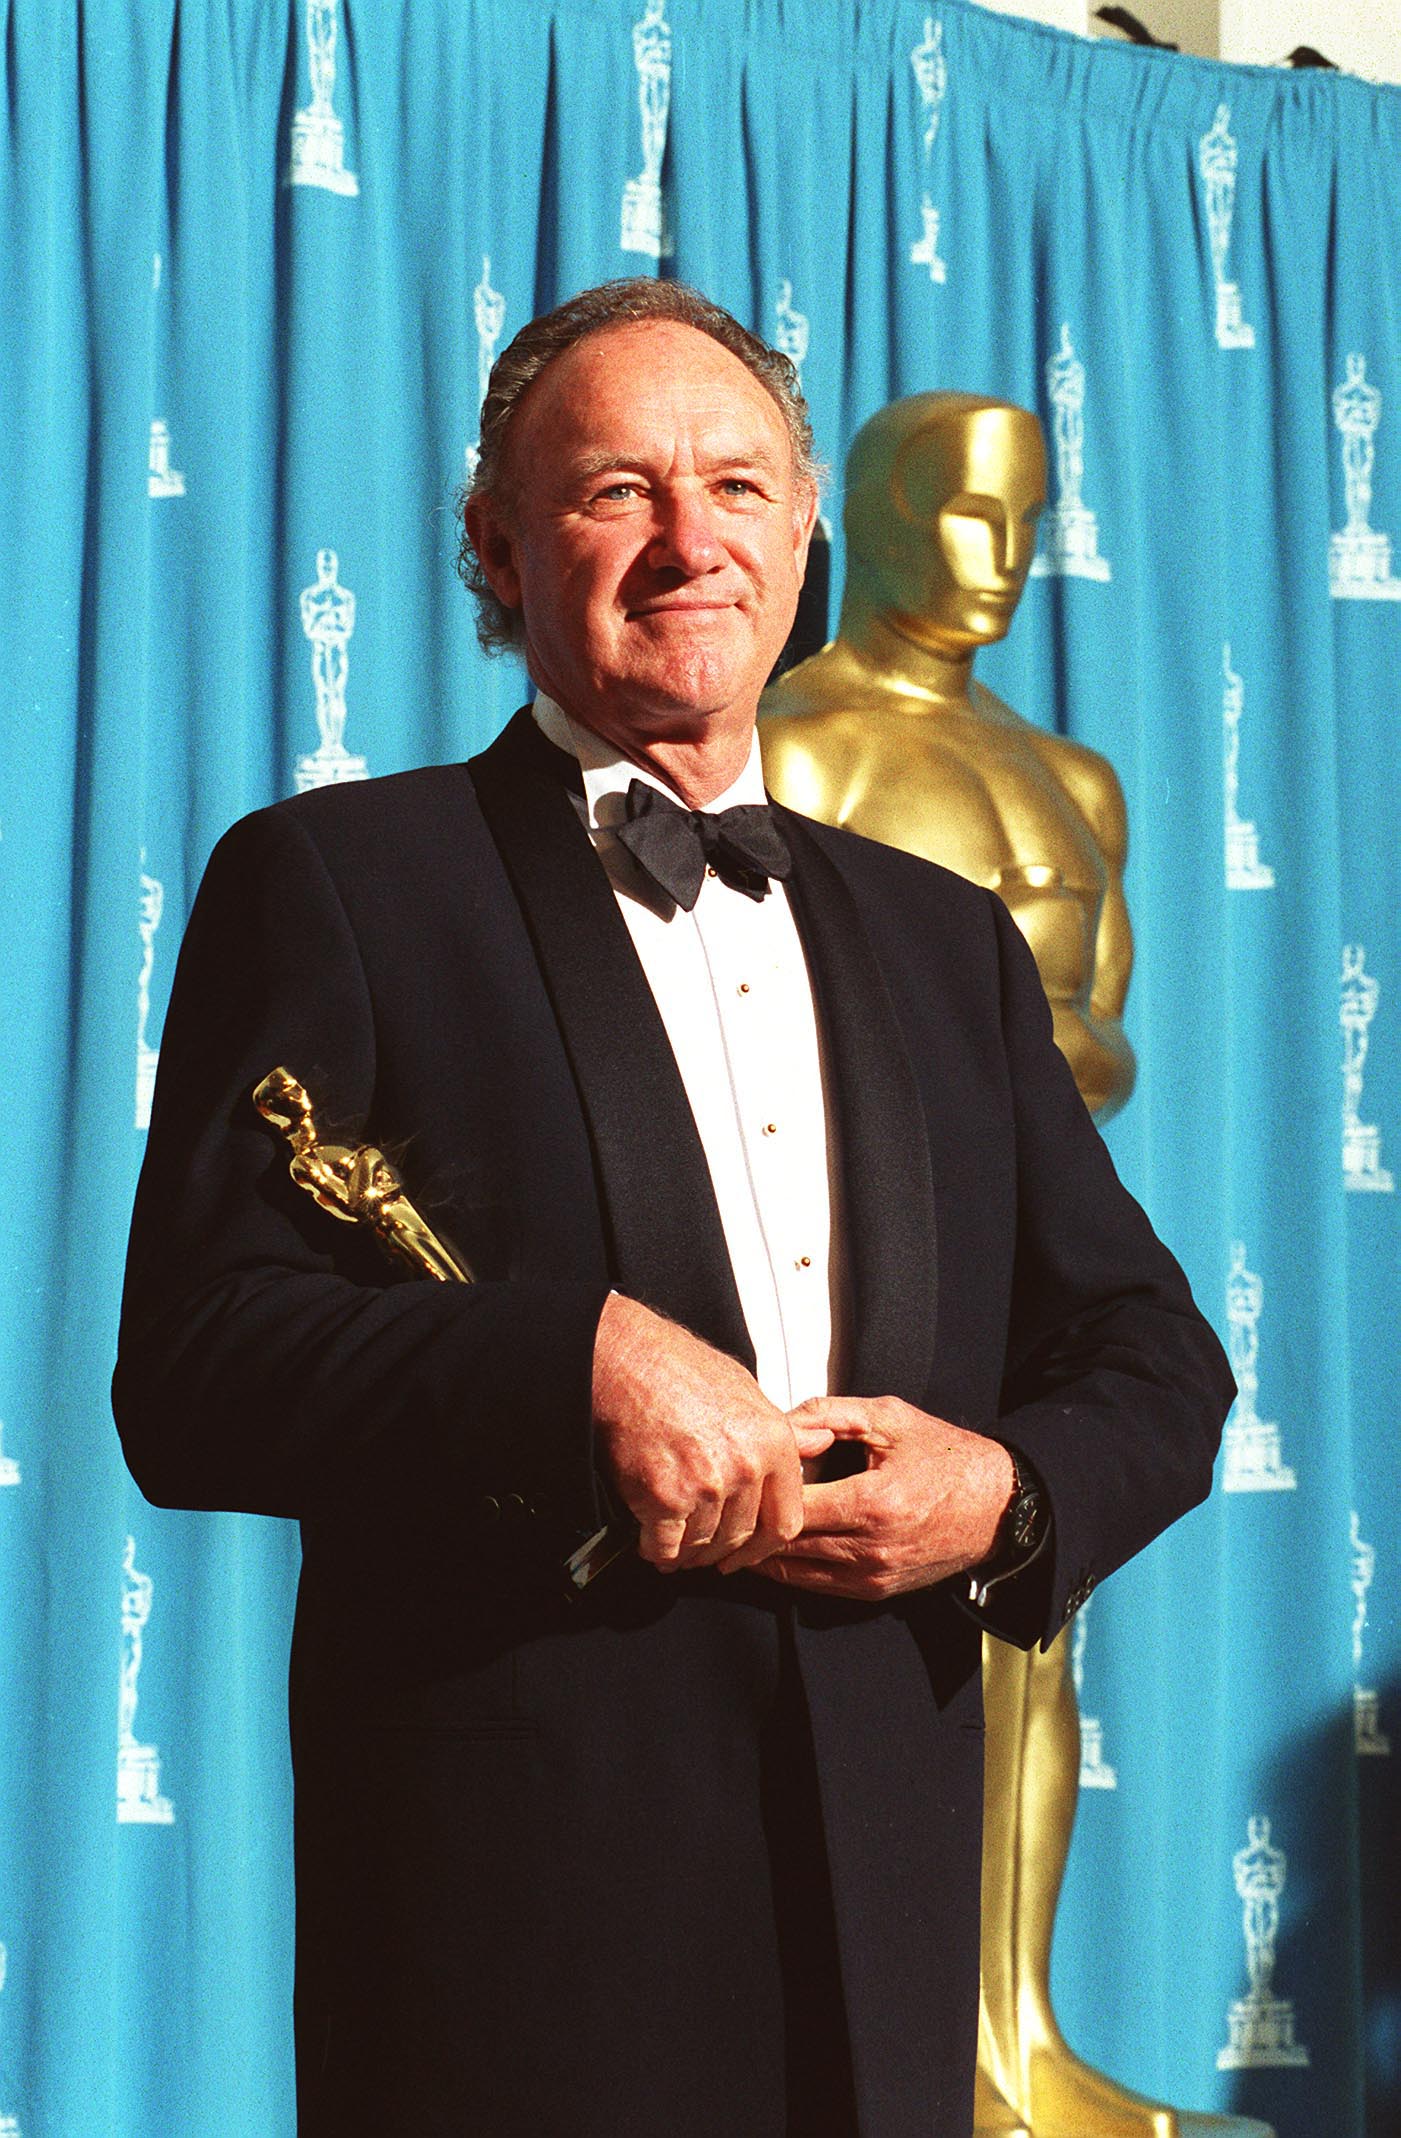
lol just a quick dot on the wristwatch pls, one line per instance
(1024, 1523)
(1020, 1534)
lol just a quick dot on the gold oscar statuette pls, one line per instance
(358, 1184)
(887, 731)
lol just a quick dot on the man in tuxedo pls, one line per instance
(794, 1247)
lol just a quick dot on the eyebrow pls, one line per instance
(591, 465)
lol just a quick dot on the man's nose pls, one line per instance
(686, 537)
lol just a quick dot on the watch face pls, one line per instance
(1026, 1520)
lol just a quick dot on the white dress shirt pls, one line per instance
(731, 984)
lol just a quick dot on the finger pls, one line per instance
(781, 1510)
(827, 1551)
(809, 1405)
(702, 1522)
(844, 1417)
(780, 1520)
(844, 1506)
(870, 1582)
(811, 1439)
(735, 1525)
(660, 1541)
(849, 1581)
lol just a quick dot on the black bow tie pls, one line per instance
(675, 846)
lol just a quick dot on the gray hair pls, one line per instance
(630, 302)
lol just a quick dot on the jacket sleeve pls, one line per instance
(1115, 1388)
(271, 1359)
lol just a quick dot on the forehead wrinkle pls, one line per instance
(714, 413)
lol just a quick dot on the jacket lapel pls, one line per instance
(888, 1216)
(666, 1242)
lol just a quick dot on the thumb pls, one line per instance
(812, 1439)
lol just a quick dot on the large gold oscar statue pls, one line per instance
(886, 731)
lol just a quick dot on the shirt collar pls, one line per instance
(606, 772)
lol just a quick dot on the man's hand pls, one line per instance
(928, 1505)
(711, 1469)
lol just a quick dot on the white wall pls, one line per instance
(1361, 36)
(1061, 14)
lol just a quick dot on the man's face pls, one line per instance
(657, 534)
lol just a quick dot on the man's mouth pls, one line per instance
(676, 607)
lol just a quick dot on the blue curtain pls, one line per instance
(254, 255)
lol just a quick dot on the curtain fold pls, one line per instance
(256, 257)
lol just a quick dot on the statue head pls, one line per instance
(327, 564)
(942, 496)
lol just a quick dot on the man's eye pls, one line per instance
(737, 486)
(618, 492)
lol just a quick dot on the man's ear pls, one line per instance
(804, 520)
(495, 546)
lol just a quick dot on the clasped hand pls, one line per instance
(713, 1471)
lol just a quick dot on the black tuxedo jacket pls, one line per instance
(533, 1886)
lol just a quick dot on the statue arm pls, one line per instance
(1093, 786)
(1113, 955)
(269, 1360)
(1102, 800)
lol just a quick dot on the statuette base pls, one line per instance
(644, 227)
(1363, 1170)
(318, 154)
(1095, 1771)
(1184, 2125)
(1071, 545)
(1261, 2037)
(1118, 2114)
(1253, 1459)
(1245, 871)
(1359, 567)
(1233, 331)
(330, 766)
(139, 1799)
